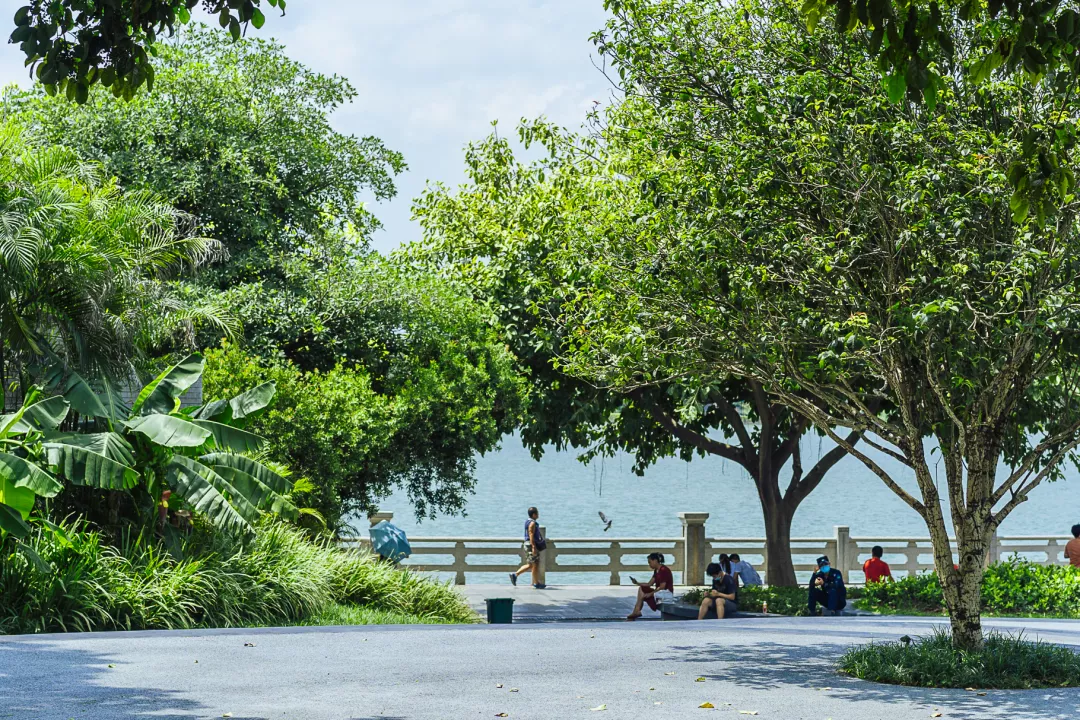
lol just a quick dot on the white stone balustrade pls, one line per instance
(693, 551)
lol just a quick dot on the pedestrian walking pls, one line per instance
(534, 545)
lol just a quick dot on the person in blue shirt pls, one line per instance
(827, 589)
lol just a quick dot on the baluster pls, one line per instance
(615, 563)
(459, 563)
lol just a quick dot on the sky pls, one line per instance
(432, 75)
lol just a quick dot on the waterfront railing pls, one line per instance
(688, 555)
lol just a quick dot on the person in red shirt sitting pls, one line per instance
(876, 569)
(658, 588)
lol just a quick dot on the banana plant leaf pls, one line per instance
(227, 437)
(22, 473)
(161, 394)
(86, 460)
(252, 467)
(20, 498)
(83, 396)
(258, 494)
(202, 488)
(11, 521)
(169, 430)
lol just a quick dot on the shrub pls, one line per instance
(1014, 587)
(782, 600)
(1005, 661)
(281, 577)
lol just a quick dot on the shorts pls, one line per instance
(530, 557)
(658, 597)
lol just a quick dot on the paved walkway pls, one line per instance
(772, 669)
(564, 602)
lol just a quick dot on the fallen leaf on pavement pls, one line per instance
(670, 673)
(707, 705)
(652, 688)
(226, 715)
(111, 665)
(580, 697)
(981, 694)
(700, 680)
(499, 685)
(514, 690)
(249, 644)
(599, 708)
(592, 636)
(935, 714)
(748, 712)
(658, 703)
(501, 715)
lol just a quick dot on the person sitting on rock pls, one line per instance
(827, 589)
(721, 595)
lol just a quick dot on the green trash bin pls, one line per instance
(500, 611)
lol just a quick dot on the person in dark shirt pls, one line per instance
(827, 589)
(721, 595)
(659, 588)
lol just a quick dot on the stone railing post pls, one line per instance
(993, 553)
(694, 558)
(615, 563)
(459, 563)
(846, 552)
(377, 517)
(541, 569)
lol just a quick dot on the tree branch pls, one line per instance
(691, 437)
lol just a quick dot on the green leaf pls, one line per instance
(30, 554)
(47, 414)
(161, 394)
(78, 461)
(227, 437)
(202, 488)
(183, 14)
(896, 86)
(21, 473)
(12, 522)
(256, 493)
(1020, 207)
(256, 469)
(257, 18)
(169, 430)
(251, 401)
(82, 397)
(110, 444)
(20, 498)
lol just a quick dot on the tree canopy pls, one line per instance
(239, 137)
(72, 45)
(848, 252)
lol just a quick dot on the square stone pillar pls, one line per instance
(378, 517)
(541, 569)
(695, 556)
(847, 552)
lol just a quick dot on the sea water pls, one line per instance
(570, 494)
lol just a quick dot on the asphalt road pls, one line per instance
(771, 668)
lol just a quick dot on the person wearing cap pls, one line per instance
(827, 589)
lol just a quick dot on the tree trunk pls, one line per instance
(779, 568)
(965, 609)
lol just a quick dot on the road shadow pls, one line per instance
(31, 687)
(773, 666)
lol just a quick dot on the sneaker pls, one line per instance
(539, 586)
(513, 579)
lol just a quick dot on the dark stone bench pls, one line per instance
(682, 611)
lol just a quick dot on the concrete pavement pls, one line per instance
(777, 668)
(559, 602)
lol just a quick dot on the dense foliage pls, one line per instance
(355, 442)
(280, 577)
(1003, 661)
(504, 235)
(73, 44)
(84, 266)
(238, 136)
(850, 253)
(1016, 587)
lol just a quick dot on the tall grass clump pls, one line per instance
(1005, 661)
(279, 577)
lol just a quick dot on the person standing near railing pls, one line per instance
(534, 545)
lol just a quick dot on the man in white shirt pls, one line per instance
(744, 571)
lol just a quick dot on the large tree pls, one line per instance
(239, 136)
(502, 234)
(855, 250)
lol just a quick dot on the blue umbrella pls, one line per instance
(389, 541)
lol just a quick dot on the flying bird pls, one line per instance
(607, 523)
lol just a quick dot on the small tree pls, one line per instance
(850, 251)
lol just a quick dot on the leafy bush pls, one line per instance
(281, 577)
(1014, 587)
(1005, 661)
